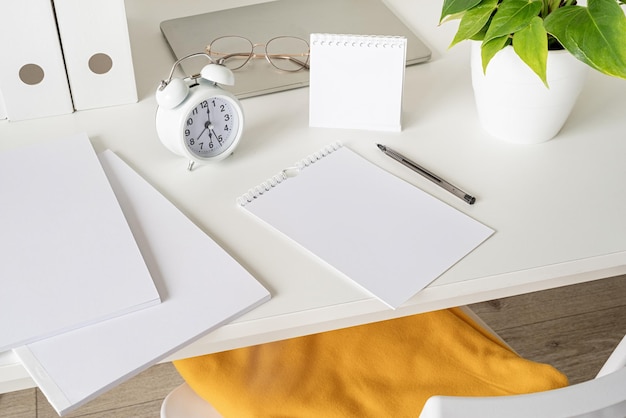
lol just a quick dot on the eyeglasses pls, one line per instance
(286, 53)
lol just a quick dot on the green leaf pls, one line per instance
(512, 15)
(531, 44)
(480, 35)
(452, 7)
(596, 35)
(490, 48)
(474, 20)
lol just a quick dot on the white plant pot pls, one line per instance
(513, 103)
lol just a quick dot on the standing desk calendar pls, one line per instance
(557, 208)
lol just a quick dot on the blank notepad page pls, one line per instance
(385, 234)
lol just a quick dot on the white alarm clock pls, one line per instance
(196, 118)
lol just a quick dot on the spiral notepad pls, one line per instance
(385, 234)
(356, 81)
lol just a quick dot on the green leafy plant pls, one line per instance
(595, 34)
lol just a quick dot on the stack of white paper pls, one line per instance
(68, 257)
(201, 288)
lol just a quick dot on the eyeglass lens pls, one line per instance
(288, 53)
(284, 52)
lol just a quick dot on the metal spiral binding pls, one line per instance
(286, 173)
(362, 41)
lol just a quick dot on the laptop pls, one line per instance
(300, 18)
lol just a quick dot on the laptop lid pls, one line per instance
(300, 18)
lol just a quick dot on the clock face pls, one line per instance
(211, 127)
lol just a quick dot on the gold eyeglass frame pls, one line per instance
(294, 58)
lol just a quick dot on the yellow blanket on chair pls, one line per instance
(384, 369)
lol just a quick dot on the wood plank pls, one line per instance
(554, 303)
(578, 345)
(142, 410)
(149, 386)
(19, 404)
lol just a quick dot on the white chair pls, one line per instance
(183, 402)
(604, 396)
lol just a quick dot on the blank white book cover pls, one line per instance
(201, 285)
(356, 81)
(67, 255)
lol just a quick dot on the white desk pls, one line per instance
(558, 207)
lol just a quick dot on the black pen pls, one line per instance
(430, 176)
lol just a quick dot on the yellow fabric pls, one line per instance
(384, 369)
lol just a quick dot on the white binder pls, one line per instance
(3, 111)
(96, 45)
(32, 75)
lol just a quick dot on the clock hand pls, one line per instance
(208, 114)
(206, 126)
(214, 134)
(209, 126)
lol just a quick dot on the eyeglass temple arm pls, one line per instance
(224, 56)
(303, 64)
(289, 57)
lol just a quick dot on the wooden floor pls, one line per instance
(573, 328)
